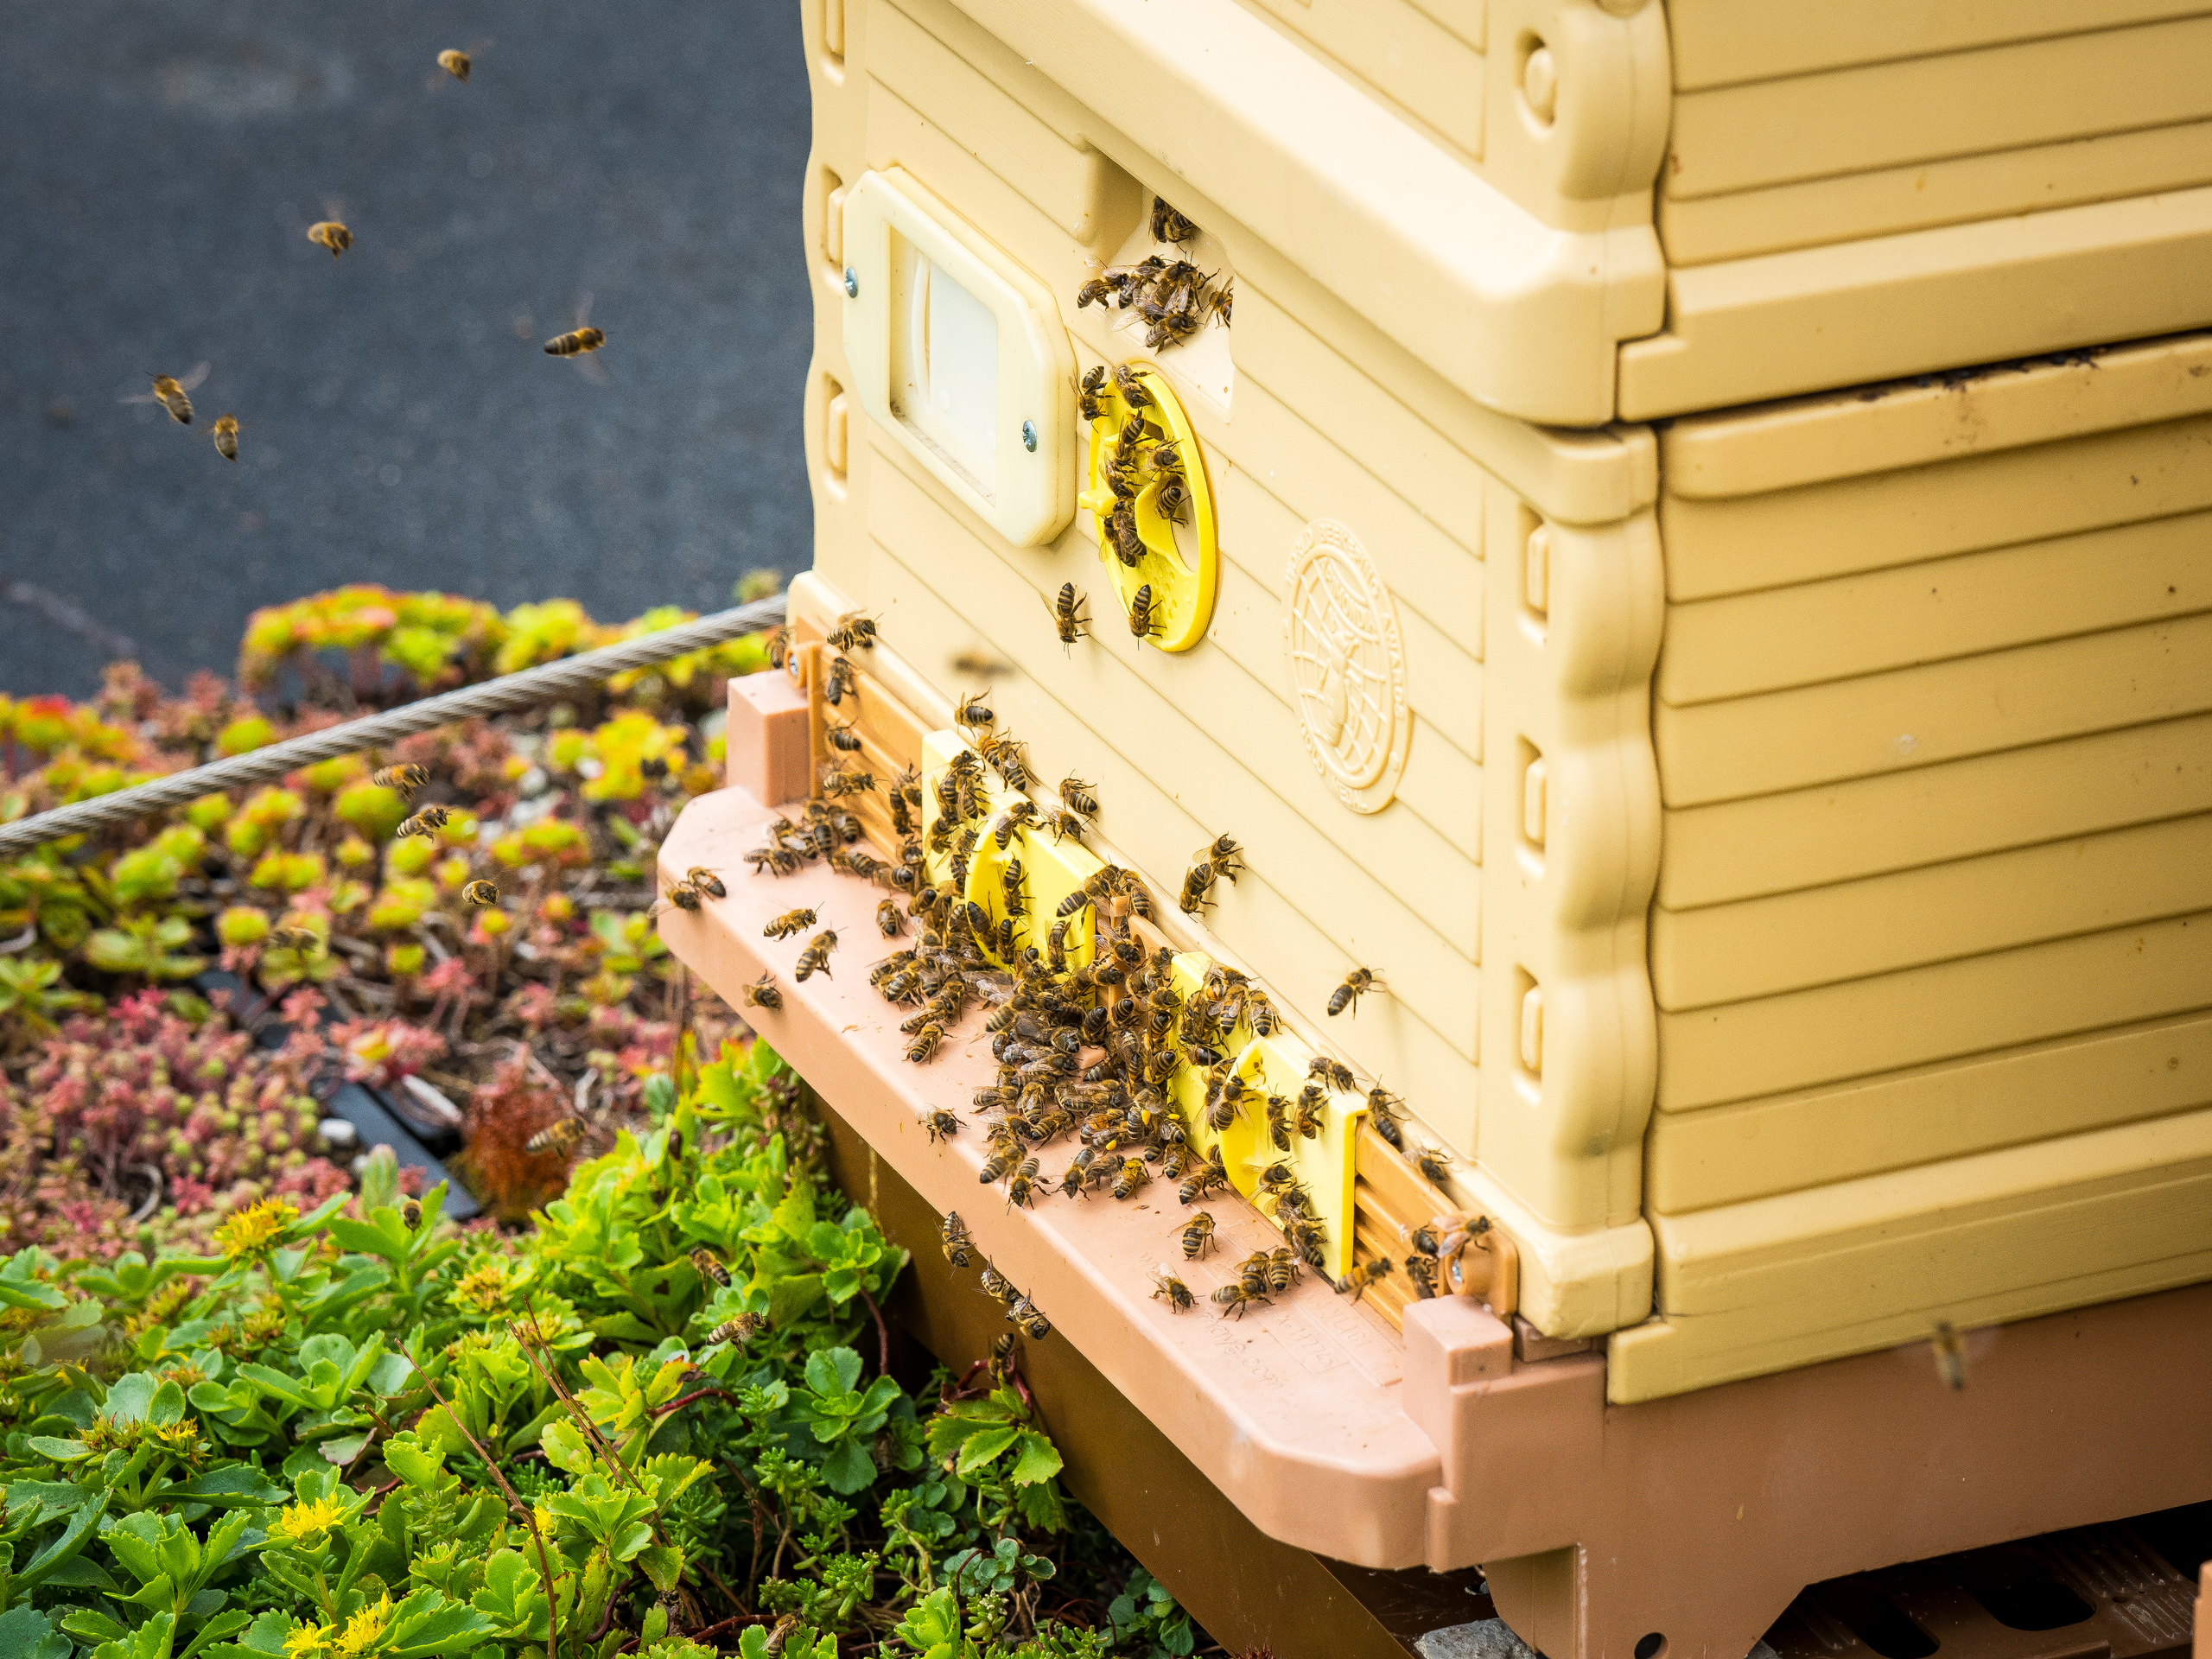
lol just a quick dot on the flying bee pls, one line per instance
(226, 438)
(844, 739)
(1235, 1299)
(1029, 1319)
(454, 62)
(814, 959)
(1198, 1235)
(480, 895)
(854, 632)
(784, 1627)
(1372, 1271)
(676, 895)
(425, 823)
(925, 1042)
(974, 711)
(168, 390)
(1168, 225)
(1131, 389)
(1950, 1355)
(402, 781)
(1279, 1122)
(1357, 983)
(738, 1331)
(762, 992)
(941, 1124)
(839, 682)
(1070, 618)
(790, 922)
(710, 1267)
(562, 1137)
(302, 939)
(1434, 1164)
(329, 234)
(1208, 1177)
(1134, 1175)
(1173, 1291)
(952, 1234)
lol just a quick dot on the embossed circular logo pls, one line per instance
(1347, 666)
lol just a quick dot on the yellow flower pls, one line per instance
(306, 1641)
(254, 1230)
(364, 1630)
(302, 1524)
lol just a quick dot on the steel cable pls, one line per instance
(503, 696)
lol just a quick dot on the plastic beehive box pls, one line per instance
(1782, 833)
(1627, 209)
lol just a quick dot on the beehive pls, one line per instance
(1761, 741)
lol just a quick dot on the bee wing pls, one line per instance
(189, 381)
(593, 370)
(583, 308)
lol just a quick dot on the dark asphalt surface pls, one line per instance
(160, 162)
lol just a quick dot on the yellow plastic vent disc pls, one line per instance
(1179, 560)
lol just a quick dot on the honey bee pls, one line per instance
(888, 918)
(1950, 1355)
(1373, 1271)
(1279, 1122)
(1235, 1299)
(302, 939)
(169, 393)
(1335, 1073)
(1422, 1271)
(1434, 1163)
(1133, 1175)
(838, 785)
(1383, 1107)
(707, 881)
(226, 437)
(675, 895)
(996, 1285)
(779, 648)
(1130, 388)
(1259, 1012)
(1096, 291)
(1001, 1160)
(1128, 545)
(1308, 1239)
(1281, 1271)
(840, 683)
(941, 1124)
(1173, 499)
(1196, 1234)
(562, 1137)
(1168, 225)
(329, 234)
(780, 860)
(1208, 1177)
(925, 1041)
(425, 823)
(1220, 301)
(411, 1213)
(953, 1235)
(1227, 1104)
(1029, 1319)
(844, 739)
(739, 1330)
(1173, 1291)
(1226, 856)
(1252, 1272)
(1198, 883)
(1357, 983)
(790, 922)
(1010, 884)
(480, 894)
(1310, 1114)
(403, 781)
(1022, 1185)
(709, 1266)
(854, 632)
(1070, 618)
(784, 1627)
(1078, 795)
(974, 711)
(814, 959)
(762, 992)
(455, 63)
(577, 342)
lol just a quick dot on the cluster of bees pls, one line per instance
(173, 392)
(1021, 1310)
(1172, 296)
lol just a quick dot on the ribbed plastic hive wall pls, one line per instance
(1789, 868)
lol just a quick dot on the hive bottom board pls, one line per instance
(1696, 1517)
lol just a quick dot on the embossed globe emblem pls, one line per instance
(1347, 666)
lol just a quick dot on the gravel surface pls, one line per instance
(160, 162)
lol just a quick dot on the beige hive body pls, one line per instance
(1767, 756)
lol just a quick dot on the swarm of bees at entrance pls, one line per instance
(1137, 456)
(1174, 296)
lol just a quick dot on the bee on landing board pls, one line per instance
(1173, 1291)
(790, 922)
(1197, 1234)
(762, 994)
(1235, 1299)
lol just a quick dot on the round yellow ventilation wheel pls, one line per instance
(1180, 560)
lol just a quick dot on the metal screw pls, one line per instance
(1029, 436)
(852, 284)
